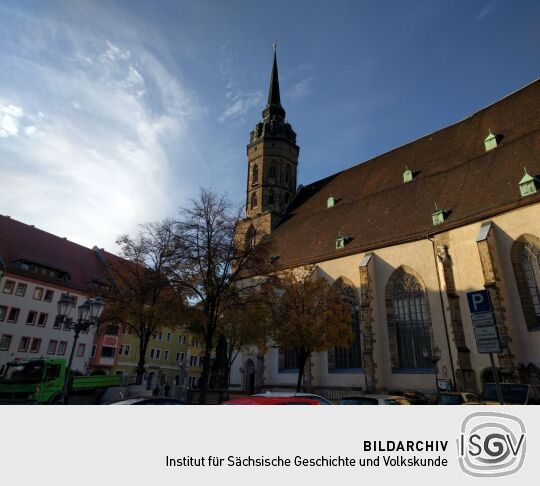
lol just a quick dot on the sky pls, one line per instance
(116, 113)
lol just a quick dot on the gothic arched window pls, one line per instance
(255, 174)
(272, 172)
(348, 357)
(409, 321)
(253, 200)
(287, 174)
(271, 198)
(250, 237)
(526, 263)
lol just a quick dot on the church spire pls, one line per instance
(273, 108)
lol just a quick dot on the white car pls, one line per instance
(374, 399)
(311, 396)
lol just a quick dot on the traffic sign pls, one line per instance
(487, 340)
(479, 301)
(483, 319)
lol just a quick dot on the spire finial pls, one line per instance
(274, 44)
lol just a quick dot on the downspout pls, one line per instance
(443, 310)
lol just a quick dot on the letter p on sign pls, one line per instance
(479, 301)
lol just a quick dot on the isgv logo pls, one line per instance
(491, 444)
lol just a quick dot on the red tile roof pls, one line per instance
(376, 208)
(19, 241)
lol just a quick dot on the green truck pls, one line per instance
(41, 381)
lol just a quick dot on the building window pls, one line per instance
(152, 353)
(290, 359)
(255, 174)
(251, 233)
(36, 344)
(200, 361)
(13, 315)
(108, 352)
(3, 312)
(253, 200)
(5, 342)
(272, 172)
(348, 357)
(526, 263)
(409, 322)
(31, 318)
(61, 348)
(24, 343)
(42, 321)
(127, 349)
(193, 361)
(169, 337)
(121, 349)
(9, 286)
(57, 324)
(49, 294)
(38, 293)
(21, 289)
(80, 350)
(165, 355)
(51, 348)
(158, 353)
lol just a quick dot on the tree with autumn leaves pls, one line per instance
(307, 314)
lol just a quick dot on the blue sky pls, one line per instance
(115, 113)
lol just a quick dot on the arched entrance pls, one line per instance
(249, 377)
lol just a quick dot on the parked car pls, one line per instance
(311, 396)
(258, 400)
(414, 396)
(373, 399)
(149, 401)
(513, 394)
(458, 398)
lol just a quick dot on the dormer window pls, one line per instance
(438, 216)
(528, 184)
(490, 141)
(341, 242)
(330, 202)
(408, 175)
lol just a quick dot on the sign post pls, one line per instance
(485, 330)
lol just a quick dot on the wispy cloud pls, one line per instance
(239, 101)
(86, 130)
(486, 11)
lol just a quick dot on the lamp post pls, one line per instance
(88, 314)
(434, 357)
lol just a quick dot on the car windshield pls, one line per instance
(511, 393)
(450, 399)
(23, 373)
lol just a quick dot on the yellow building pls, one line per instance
(407, 235)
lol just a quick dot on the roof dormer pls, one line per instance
(490, 142)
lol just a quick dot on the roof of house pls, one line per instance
(376, 208)
(19, 241)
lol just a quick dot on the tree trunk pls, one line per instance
(302, 358)
(218, 380)
(203, 389)
(143, 344)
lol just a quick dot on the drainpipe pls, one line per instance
(443, 311)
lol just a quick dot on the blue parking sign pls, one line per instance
(479, 301)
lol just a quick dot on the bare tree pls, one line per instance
(307, 314)
(209, 263)
(140, 294)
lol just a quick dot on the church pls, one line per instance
(407, 234)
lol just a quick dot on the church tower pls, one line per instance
(272, 159)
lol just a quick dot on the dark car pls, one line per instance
(513, 394)
(414, 396)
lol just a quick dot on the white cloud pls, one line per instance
(301, 89)
(98, 118)
(487, 10)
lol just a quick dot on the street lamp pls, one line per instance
(434, 357)
(88, 314)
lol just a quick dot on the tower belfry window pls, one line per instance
(255, 174)
(253, 200)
